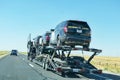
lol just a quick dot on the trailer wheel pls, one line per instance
(63, 74)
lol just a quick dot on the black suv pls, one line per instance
(14, 52)
(71, 33)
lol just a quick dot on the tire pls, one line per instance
(63, 74)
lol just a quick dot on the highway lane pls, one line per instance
(13, 68)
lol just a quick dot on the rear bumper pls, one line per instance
(77, 40)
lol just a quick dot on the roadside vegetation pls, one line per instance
(25, 53)
(3, 52)
(111, 64)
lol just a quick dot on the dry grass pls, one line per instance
(3, 52)
(25, 53)
(107, 63)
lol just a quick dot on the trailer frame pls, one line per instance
(54, 59)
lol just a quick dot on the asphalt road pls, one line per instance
(13, 68)
(19, 68)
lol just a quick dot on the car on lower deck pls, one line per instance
(45, 39)
(71, 33)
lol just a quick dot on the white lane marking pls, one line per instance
(31, 65)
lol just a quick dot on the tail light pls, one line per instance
(47, 38)
(65, 29)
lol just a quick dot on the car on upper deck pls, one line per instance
(45, 39)
(71, 33)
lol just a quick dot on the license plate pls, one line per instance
(76, 70)
(79, 31)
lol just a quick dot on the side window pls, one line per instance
(56, 29)
(62, 28)
(64, 24)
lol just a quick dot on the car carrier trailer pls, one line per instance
(58, 59)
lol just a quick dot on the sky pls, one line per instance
(19, 18)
